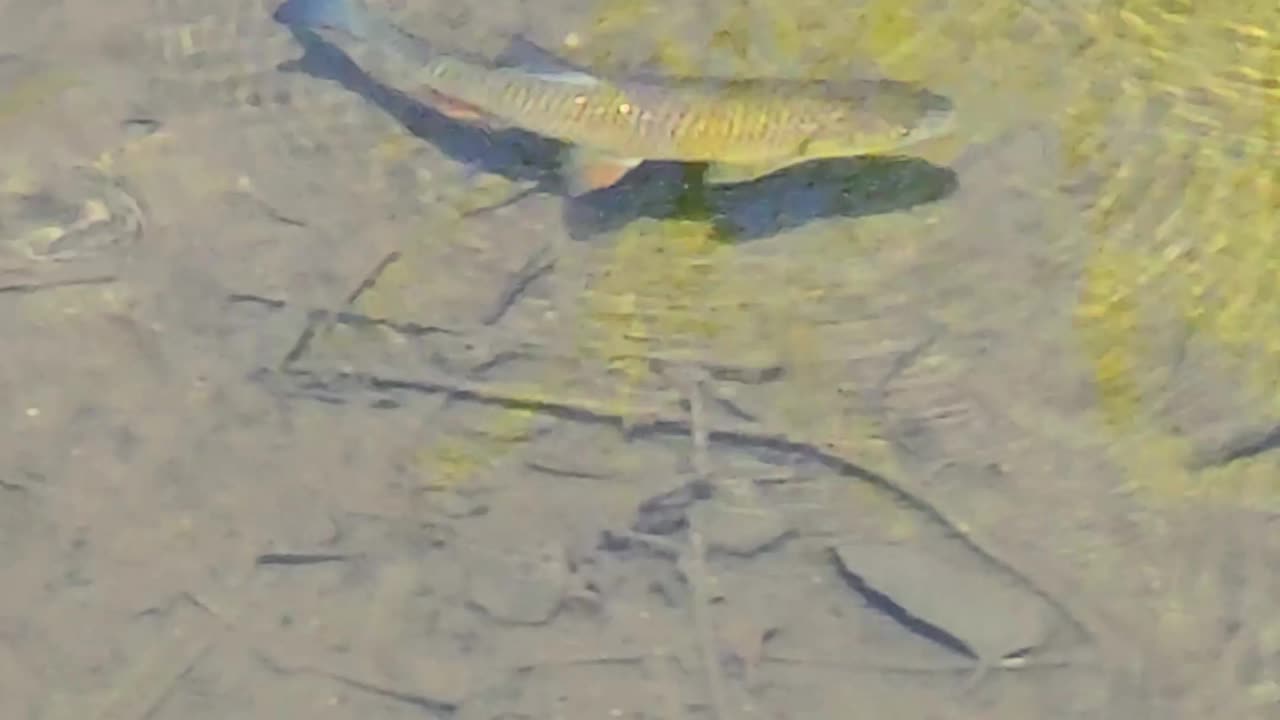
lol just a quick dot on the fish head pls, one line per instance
(884, 117)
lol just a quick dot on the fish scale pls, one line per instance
(743, 128)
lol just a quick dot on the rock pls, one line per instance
(738, 530)
(524, 587)
(668, 512)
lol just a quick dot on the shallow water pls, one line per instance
(320, 404)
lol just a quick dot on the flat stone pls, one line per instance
(524, 587)
(738, 529)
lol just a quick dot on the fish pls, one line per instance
(742, 128)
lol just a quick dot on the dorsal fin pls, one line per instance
(531, 57)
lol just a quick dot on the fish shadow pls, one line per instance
(785, 200)
(790, 198)
(515, 154)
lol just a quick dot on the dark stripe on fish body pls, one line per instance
(688, 125)
(622, 114)
(525, 95)
(603, 107)
(527, 100)
(733, 122)
(637, 120)
(724, 122)
(541, 101)
(582, 111)
(567, 105)
(613, 113)
(775, 117)
(580, 107)
(545, 104)
(698, 124)
(679, 120)
(782, 121)
(581, 115)
(759, 124)
(554, 100)
(511, 94)
(676, 119)
(667, 119)
(653, 129)
(561, 107)
(708, 124)
(598, 109)
(754, 126)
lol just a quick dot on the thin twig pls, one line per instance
(957, 666)
(693, 563)
(319, 320)
(535, 267)
(660, 665)
(37, 286)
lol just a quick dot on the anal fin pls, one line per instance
(586, 170)
(728, 173)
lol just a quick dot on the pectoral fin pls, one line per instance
(584, 170)
(727, 174)
(455, 109)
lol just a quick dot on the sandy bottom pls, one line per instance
(318, 405)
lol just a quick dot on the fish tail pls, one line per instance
(349, 16)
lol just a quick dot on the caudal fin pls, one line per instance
(346, 15)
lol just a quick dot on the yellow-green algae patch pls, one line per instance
(1173, 162)
(1185, 157)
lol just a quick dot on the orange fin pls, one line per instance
(584, 170)
(455, 109)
